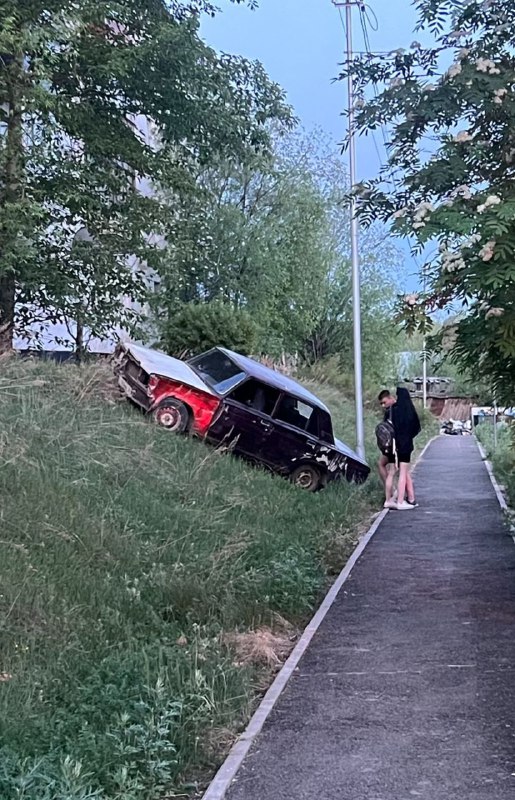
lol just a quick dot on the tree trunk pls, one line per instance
(11, 195)
(7, 291)
(79, 342)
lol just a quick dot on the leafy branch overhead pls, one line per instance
(451, 159)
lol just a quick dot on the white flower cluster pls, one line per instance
(494, 312)
(421, 212)
(462, 191)
(464, 52)
(400, 213)
(487, 251)
(485, 65)
(411, 299)
(453, 71)
(452, 262)
(396, 82)
(491, 200)
(463, 136)
(499, 95)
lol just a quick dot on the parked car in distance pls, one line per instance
(229, 399)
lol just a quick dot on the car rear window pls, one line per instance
(217, 370)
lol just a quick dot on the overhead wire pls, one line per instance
(366, 52)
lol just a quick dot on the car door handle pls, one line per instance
(266, 425)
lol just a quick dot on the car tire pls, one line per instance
(173, 415)
(307, 477)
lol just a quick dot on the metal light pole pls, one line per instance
(495, 425)
(356, 277)
(424, 375)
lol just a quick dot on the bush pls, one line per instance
(197, 327)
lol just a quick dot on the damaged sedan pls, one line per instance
(234, 401)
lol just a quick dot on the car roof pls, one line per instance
(273, 378)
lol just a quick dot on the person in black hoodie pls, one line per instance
(406, 426)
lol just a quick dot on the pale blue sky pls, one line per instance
(301, 43)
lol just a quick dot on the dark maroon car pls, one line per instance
(233, 400)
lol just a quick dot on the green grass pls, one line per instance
(126, 555)
(502, 455)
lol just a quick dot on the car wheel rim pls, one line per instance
(169, 418)
(305, 479)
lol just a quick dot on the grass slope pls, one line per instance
(128, 559)
(502, 455)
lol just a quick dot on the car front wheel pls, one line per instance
(306, 477)
(173, 415)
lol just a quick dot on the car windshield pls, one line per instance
(217, 370)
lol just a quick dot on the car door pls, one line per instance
(244, 422)
(291, 440)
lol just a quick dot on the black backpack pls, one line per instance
(385, 437)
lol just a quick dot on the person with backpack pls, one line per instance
(387, 463)
(406, 425)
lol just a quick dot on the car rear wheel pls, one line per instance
(172, 415)
(306, 477)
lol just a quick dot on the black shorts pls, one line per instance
(403, 458)
(390, 457)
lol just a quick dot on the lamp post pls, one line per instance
(356, 276)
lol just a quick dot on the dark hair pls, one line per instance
(383, 394)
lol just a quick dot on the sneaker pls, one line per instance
(412, 503)
(405, 506)
(390, 504)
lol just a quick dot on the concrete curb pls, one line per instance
(489, 469)
(221, 782)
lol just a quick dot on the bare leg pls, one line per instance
(388, 486)
(403, 480)
(410, 489)
(381, 466)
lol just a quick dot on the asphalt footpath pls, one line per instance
(407, 689)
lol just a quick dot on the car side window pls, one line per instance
(256, 395)
(325, 428)
(295, 412)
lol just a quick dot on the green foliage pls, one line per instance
(380, 261)
(153, 161)
(459, 192)
(101, 105)
(195, 327)
(266, 234)
(253, 234)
